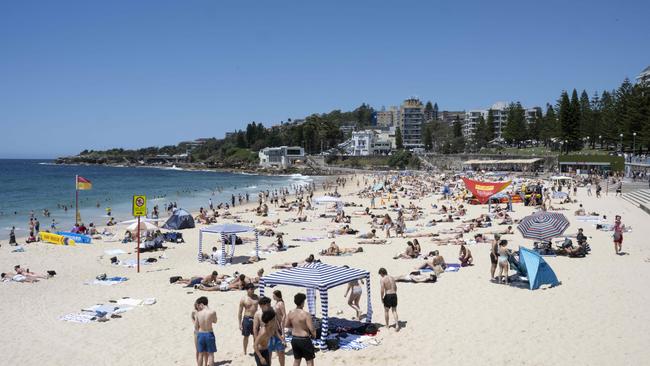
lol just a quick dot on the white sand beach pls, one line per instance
(595, 317)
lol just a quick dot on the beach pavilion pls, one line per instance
(318, 277)
(227, 231)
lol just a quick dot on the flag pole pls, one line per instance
(76, 205)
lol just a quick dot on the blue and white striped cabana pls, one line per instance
(318, 277)
(227, 230)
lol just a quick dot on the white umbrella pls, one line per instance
(144, 226)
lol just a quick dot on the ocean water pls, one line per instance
(34, 185)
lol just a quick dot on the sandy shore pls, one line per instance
(597, 316)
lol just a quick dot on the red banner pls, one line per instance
(484, 190)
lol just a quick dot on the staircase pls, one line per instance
(638, 197)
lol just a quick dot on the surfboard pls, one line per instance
(56, 239)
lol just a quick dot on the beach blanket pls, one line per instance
(78, 317)
(110, 281)
(452, 267)
(588, 218)
(114, 252)
(309, 239)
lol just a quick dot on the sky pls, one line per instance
(78, 75)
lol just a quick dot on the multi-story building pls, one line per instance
(371, 142)
(449, 117)
(644, 76)
(388, 118)
(499, 115)
(281, 157)
(411, 120)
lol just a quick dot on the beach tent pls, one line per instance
(318, 277)
(539, 272)
(227, 230)
(179, 220)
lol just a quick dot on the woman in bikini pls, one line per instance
(355, 291)
(504, 266)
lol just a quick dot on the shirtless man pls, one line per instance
(265, 339)
(465, 256)
(417, 278)
(280, 314)
(302, 329)
(205, 341)
(247, 308)
(389, 296)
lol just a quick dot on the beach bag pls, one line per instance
(332, 344)
(174, 279)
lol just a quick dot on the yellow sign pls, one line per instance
(139, 206)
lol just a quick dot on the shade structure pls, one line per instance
(226, 230)
(324, 199)
(318, 277)
(539, 272)
(144, 226)
(543, 225)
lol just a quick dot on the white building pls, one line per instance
(499, 115)
(644, 76)
(281, 157)
(372, 142)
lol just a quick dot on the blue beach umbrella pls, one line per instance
(539, 272)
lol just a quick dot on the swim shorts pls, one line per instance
(275, 344)
(390, 300)
(266, 355)
(195, 281)
(302, 348)
(247, 326)
(205, 342)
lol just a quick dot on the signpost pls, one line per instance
(139, 210)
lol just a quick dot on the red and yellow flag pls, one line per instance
(83, 183)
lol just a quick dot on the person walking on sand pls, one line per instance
(196, 332)
(247, 309)
(266, 338)
(355, 291)
(280, 315)
(389, 296)
(618, 234)
(12, 236)
(206, 343)
(302, 330)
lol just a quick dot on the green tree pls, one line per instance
(515, 130)
(586, 116)
(427, 136)
(458, 143)
(575, 142)
(428, 111)
(399, 141)
(549, 128)
(490, 132)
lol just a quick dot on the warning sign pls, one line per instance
(139, 206)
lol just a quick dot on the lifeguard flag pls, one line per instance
(484, 190)
(83, 183)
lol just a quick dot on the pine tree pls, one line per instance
(427, 138)
(596, 117)
(490, 126)
(428, 111)
(575, 140)
(399, 141)
(515, 130)
(458, 144)
(586, 116)
(565, 118)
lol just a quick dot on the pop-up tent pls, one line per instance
(179, 220)
(318, 277)
(226, 231)
(538, 271)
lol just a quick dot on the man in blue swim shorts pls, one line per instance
(205, 342)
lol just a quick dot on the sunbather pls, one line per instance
(417, 277)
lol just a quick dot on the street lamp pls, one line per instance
(566, 144)
(621, 136)
(634, 142)
(600, 138)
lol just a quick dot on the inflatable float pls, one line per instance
(56, 239)
(78, 238)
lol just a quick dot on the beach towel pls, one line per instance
(114, 251)
(309, 239)
(129, 302)
(452, 267)
(78, 317)
(108, 281)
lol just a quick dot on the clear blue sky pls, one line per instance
(98, 74)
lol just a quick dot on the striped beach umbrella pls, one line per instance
(543, 225)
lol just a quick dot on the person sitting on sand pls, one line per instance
(580, 211)
(434, 261)
(465, 256)
(409, 253)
